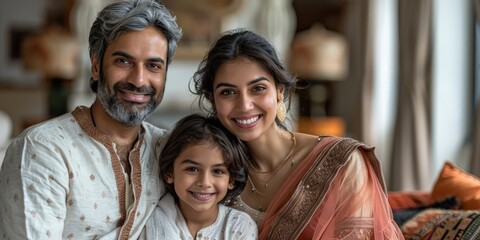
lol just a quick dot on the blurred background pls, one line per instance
(399, 75)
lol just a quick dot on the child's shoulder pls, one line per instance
(235, 215)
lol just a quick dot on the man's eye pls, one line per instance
(122, 60)
(154, 67)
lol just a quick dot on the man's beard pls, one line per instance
(128, 113)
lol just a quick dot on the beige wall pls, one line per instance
(23, 105)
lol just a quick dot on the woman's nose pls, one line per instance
(245, 102)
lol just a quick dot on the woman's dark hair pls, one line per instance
(196, 129)
(231, 45)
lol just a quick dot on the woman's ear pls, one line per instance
(231, 184)
(280, 89)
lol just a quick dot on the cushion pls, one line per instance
(408, 199)
(401, 216)
(454, 181)
(443, 224)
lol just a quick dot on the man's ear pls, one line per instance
(95, 68)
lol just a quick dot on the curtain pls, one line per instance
(354, 102)
(475, 160)
(411, 156)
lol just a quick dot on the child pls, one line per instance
(202, 165)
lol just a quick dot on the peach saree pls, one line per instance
(322, 200)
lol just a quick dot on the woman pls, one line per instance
(299, 186)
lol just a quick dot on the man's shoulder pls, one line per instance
(48, 127)
(152, 130)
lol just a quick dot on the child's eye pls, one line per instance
(219, 171)
(191, 169)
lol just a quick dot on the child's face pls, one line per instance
(200, 178)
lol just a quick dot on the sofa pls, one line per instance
(450, 210)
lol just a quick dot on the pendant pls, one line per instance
(293, 162)
(266, 185)
(253, 190)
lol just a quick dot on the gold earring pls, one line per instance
(281, 110)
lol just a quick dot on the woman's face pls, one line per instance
(245, 98)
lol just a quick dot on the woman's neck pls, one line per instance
(270, 149)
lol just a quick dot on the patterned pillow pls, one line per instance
(443, 224)
(401, 216)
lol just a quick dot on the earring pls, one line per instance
(281, 110)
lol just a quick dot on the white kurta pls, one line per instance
(62, 179)
(167, 222)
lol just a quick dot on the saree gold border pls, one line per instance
(292, 219)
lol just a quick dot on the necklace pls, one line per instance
(275, 170)
(254, 192)
(280, 166)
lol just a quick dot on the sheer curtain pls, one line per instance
(411, 156)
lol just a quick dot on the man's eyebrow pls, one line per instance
(123, 54)
(126, 55)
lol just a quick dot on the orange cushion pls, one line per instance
(406, 199)
(454, 181)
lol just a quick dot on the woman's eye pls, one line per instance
(227, 92)
(258, 88)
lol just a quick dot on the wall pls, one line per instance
(18, 14)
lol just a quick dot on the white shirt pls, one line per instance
(167, 222)
(62, 179)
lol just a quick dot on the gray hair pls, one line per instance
(132, 15)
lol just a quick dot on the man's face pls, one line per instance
(132, 75)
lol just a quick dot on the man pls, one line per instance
(93, 173)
